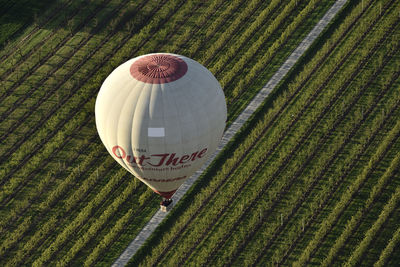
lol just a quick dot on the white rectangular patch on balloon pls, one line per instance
(156, 132)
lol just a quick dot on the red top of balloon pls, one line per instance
(158, 68)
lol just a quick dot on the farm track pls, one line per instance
(99, 208)
(304, 82)
(241, 93)
(254, 144)
(32, 130)
(192, 10)
(59, 149)
(229, 58)
(20, 187)
(231, 171)
(317, 66)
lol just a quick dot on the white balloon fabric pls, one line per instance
(161, 116)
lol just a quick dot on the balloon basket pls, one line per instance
(165, 205)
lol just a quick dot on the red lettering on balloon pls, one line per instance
(184, 159)
(193, 156)
(141, 159)
(172, 160)
(131, 159)
(163, 180)
(201, 154)
(158, 160)
(114, 150)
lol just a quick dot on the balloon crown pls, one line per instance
(158, 68)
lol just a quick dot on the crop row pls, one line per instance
(55, 107)
(84, 215)
(37, 39)
(234, 27)
(78, 124)
(17, 19)
(11, 150)
(394, 241)
(268, 55)
(70, 203)
(250, 53)
(45, 232)
(44, 21)
(19, 207)
(130, 218)
(355, 220)
(63, 190)
(190, 32)
(47, 51)
(360, 113)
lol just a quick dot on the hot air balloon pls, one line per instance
(161, 116)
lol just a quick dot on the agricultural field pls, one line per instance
(312, 178)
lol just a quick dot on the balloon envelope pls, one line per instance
(161, 116)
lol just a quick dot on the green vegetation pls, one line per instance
(64, 200)
(313, 178)
(298, 186)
